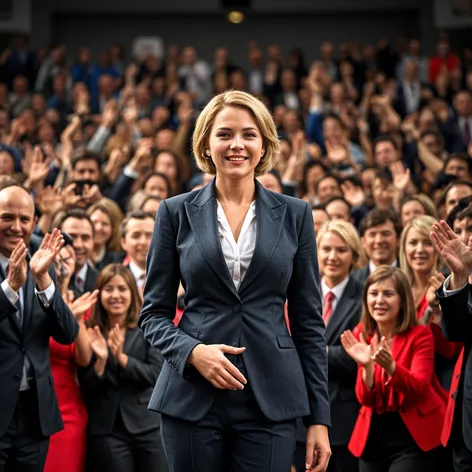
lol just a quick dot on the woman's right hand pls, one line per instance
(211, 362)
(98, 343)
(359, 350)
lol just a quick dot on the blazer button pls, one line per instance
(457, 376)
(18, 376)
(237, 309)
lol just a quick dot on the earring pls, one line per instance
(207, 152)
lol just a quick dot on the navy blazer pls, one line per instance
(288, 374)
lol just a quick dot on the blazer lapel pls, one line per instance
(398, 344)
(270, 213)
(131, 337)
(202, 216)
(342, 310)
(13, 317)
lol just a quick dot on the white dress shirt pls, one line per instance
(238, 254)
(337, 291)
(139, 274)
(372, 266)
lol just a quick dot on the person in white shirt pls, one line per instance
(136, 232)
(339, 252)
(238, 373)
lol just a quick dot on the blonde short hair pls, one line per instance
(348, 233)
(259, 113)
(423, 224)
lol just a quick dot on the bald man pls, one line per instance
(31, 311)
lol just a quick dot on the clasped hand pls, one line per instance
(211, 362)
(366, 354)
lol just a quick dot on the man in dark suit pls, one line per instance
(455, 298)
(380, 232)
(78, 225)
(32, 310)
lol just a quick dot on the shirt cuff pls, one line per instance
(132, 174)
(9, 292)
(47, 295)
(448, 293)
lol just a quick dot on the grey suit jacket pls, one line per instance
(287, 373)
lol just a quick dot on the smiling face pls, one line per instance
(419, 250)
(335, 258)
(235, 144)
(115, 297)
(17, 218)
(384, 302)
(380, 243)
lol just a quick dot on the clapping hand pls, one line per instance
(456, 254)
(82, 304)
(44, 257)
(98, 343)
(17, 267)
(116, 341)
(358, 350)
(383, 357)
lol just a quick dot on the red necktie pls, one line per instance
(328, 307)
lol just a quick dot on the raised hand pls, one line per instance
(98, 343)
(400, 176)
(49, 200)
(353, 194)
(17, 267)
(45, 256)
(435, 282)
(358, 350)
(456, 254)
(383, 357)
(211, 362)
(82, 304)
(337, 153)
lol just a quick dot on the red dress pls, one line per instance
(67, 448)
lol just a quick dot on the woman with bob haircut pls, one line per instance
(403, 406)
(340, 251)
(117, 384)
(235, 379)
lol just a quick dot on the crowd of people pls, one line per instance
(376, 139)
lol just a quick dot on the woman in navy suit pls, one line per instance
(235, 378)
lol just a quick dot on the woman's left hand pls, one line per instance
(383, 357)
(318, 450)
(116, 341)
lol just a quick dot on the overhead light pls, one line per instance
(235, 17)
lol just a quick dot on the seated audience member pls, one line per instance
(118, 382)
(380, 234)
(106, 217)
(403, 406)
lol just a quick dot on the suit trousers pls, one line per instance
(462, 456)
(125, 452)
(23, 448)
(233, 436)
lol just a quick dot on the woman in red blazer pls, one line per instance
(403, 405)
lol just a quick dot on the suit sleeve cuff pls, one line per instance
(449, 293)
(47, 295)
(9, 292)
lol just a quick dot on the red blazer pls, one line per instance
(447, 349)
(451, 403)
(413, 390)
